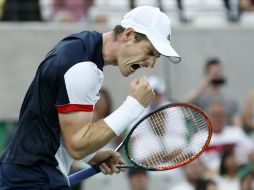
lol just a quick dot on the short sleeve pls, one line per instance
(79, 88)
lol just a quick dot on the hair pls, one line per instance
(210, 62)
(227, 153)
(118, 30)
(132, 172)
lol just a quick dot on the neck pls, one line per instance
(109, 48)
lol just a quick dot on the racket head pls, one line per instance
(191, 123)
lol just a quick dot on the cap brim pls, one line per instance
(164, 48)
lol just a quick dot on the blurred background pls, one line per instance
(215, 39)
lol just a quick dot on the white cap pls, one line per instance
(153, 23)
(157, 84)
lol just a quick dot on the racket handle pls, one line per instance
(83, 174)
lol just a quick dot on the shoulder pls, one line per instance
(84, 70)
(83, 74)
(81, 84)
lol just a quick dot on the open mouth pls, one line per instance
(135, 67)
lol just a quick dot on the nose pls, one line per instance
(151, 62)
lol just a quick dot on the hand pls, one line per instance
(108, 159)
(141, 90)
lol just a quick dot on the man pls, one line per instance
(55, 124)
(138, 179)
(193, 173)
(211, 90)
(225, 138)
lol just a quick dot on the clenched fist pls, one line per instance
(141, 90)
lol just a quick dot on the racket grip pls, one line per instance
(83, 174)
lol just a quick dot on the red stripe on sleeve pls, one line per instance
(74, 107)
(220, 148)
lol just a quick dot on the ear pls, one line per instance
(128, 34)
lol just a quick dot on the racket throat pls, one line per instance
(127, 166)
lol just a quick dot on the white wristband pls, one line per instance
(121, 118)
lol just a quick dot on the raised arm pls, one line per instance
(82, 136)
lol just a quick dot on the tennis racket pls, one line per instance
(166, 138)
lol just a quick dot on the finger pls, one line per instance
(102, 170)
(106, 168)
(121, 162)
(115, 157)
(115, 169)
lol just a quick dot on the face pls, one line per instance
(194, 170)
(133, 55)
(231, 163)
(215, 71)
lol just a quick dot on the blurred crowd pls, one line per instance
(79, 10)
(228, 162)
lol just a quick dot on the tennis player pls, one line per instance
(55, 124)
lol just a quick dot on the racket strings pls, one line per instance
(168, 137)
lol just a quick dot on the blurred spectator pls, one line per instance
(229, 167)
(225, 138)
(138, 179)
(46, 7)
(247, 181)
(132, 4)
(193, 171)
(21, 10)
(159, 87)
(206, 184)
(233, 10)
(71, 10)
(247, 5)
(182, 12)
(210, 91)
(248, 115)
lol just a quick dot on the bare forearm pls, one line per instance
(92, 137)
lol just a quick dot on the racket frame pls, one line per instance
(127, 138)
